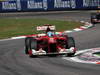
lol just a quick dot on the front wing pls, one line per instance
(61, 52)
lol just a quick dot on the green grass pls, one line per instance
(16, 27)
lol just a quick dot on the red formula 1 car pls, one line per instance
(51, 43)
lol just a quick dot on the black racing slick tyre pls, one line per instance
(93, 22)
(33, 45)
(93, 16)
(70, 43)
(27, 44)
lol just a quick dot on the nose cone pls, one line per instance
(52, 40)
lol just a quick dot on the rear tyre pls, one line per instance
(70, 43)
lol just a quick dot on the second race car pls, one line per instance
(95, 18)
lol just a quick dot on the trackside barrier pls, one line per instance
(46, 5)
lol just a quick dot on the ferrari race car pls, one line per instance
(50, 44)
(95, 18)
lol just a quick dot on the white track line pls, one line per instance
(76, 59)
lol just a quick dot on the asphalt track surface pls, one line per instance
(13, 60)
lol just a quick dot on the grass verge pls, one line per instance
(15, 27)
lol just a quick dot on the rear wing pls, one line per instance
(40, 28)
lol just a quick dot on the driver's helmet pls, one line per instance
(50, 33)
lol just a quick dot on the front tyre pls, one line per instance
(71, 43)
(27, 44)
(33, 45)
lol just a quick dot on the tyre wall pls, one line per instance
(47, 5)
